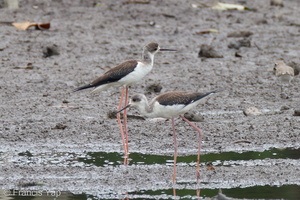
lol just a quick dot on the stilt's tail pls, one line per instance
(83, 87)
(201, 95)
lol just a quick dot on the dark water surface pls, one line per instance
(256, 192)
(104, 159)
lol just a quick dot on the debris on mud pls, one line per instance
(241, 141)
(284, 95)
(136, 2)
(50, 51)
(297, 113)
(29, 184)
(154, 88)
(29, 66)
(194, 117)
(252, 111)
(207, 51)
(238, 55)
(207, 31)
(240, 34)
(112, 115)
(27, 24)
(284, 108)
(296, 67)
(240, 43)
(276, 3)
(228, 6)
(209, 166)
(60, 126)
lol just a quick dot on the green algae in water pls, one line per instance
(104, 159)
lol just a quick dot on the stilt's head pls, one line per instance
(150, 50)
(138, 101)
(153, 48)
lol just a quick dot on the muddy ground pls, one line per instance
(41, 114)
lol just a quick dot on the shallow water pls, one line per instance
(185, 190)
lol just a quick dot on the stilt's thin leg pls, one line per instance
(120, 123)
(175, 156)
(199, 149)
(125, 119)
(126, 156)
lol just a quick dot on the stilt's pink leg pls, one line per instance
(175, 156)
(125, 120)
(199, 149)
(120, 123)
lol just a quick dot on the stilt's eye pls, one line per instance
(136, 99)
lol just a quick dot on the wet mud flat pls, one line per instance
(55, 140)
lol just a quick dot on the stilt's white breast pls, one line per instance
(166, 111)
(169, 111)
(140, 71)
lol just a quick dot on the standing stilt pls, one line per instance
(169, 105)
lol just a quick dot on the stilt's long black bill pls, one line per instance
(167, 50)
(123, 108)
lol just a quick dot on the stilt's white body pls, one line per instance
(139, 72)
(169, 111)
